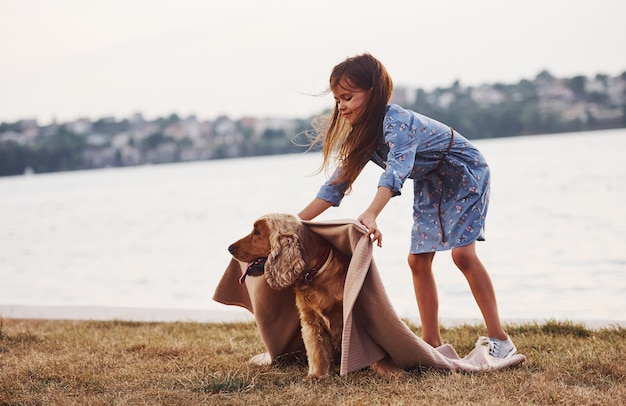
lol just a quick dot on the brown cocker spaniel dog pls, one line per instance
(289, 254)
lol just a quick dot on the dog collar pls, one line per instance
(320, 267)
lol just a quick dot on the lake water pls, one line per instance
(156, 236)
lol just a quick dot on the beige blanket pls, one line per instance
(372, 329)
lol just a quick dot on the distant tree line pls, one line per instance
(522, 109)
(540, 106)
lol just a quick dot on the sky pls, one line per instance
(68, 59)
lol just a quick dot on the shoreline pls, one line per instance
(124, 313)
(234, 315)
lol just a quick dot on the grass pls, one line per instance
(46, 362)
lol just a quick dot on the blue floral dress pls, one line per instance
(450, 178)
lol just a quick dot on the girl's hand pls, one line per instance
(368, 219)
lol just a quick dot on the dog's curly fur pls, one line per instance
(291, 249)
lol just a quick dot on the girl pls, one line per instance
(451, 186)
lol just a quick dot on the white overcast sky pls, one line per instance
(65, 59)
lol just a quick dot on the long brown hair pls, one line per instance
(352, 146)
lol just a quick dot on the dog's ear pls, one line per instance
(285, 262)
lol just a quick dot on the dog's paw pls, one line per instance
(263, 359)
(385, 368)
(318, 372)
(318, 377)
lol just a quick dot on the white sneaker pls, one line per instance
(498, 348)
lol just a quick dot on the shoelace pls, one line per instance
(492, 346)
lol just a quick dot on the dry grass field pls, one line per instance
(47, 362)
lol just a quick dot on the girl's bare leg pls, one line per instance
(479, 281)
(426, 296)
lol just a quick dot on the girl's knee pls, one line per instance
(465, 258)
(421, 262)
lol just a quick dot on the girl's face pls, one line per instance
(350, 101)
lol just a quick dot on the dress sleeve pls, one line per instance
(333, 193)
(399, 135)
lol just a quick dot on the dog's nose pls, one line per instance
(231, 249)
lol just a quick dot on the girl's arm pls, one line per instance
(314, 209)
(368, 218)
